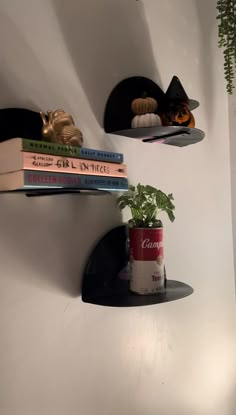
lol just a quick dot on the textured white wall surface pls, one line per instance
(59, 356)
(232, 127)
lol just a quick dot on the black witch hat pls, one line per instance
(176, 92)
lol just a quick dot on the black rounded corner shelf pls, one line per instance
(105, 276)
(172, 135)
(20, 122)
(118, 115)
(59, 191)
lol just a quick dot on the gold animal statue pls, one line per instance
(59, 127)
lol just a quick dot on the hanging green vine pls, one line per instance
(227, 39)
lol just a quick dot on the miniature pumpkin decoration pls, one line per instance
(179, 115)
(177, 112)
(146, 120)
(143, 105)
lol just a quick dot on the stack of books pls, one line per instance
(33, 165)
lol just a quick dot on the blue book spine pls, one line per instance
(41, 179)
(109, 156)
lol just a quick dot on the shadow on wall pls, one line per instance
(206, 13)
(108, 41)
(17, 88)
(232, 127)
(48, 240)
(231, 403)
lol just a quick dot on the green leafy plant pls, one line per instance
(227, 38)
(146, 203)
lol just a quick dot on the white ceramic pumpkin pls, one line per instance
(146, 120)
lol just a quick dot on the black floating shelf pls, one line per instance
(173, 135)
(52, 192)
(118, 115)
(105, 276)
(20, 122)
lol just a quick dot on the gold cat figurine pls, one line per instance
(59, 127)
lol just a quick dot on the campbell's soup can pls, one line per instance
(146, 260)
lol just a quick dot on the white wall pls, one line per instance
(232, 126)
(60, 356)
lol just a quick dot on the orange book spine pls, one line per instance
(47, 162)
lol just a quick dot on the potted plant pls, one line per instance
(146, 236)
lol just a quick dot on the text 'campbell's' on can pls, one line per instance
(147, 260)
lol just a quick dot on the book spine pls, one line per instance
(39, 179)
(35, 161)
(70, 151)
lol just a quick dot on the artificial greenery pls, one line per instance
(227, 38)
(145, 203)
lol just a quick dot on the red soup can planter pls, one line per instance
(146, 260)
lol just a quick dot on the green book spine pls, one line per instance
(70, 151)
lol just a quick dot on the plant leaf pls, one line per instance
(145, 202)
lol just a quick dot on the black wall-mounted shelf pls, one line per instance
(175, 136)
(20, 122)
(105, 276)
(118, 115)
(53, 192)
